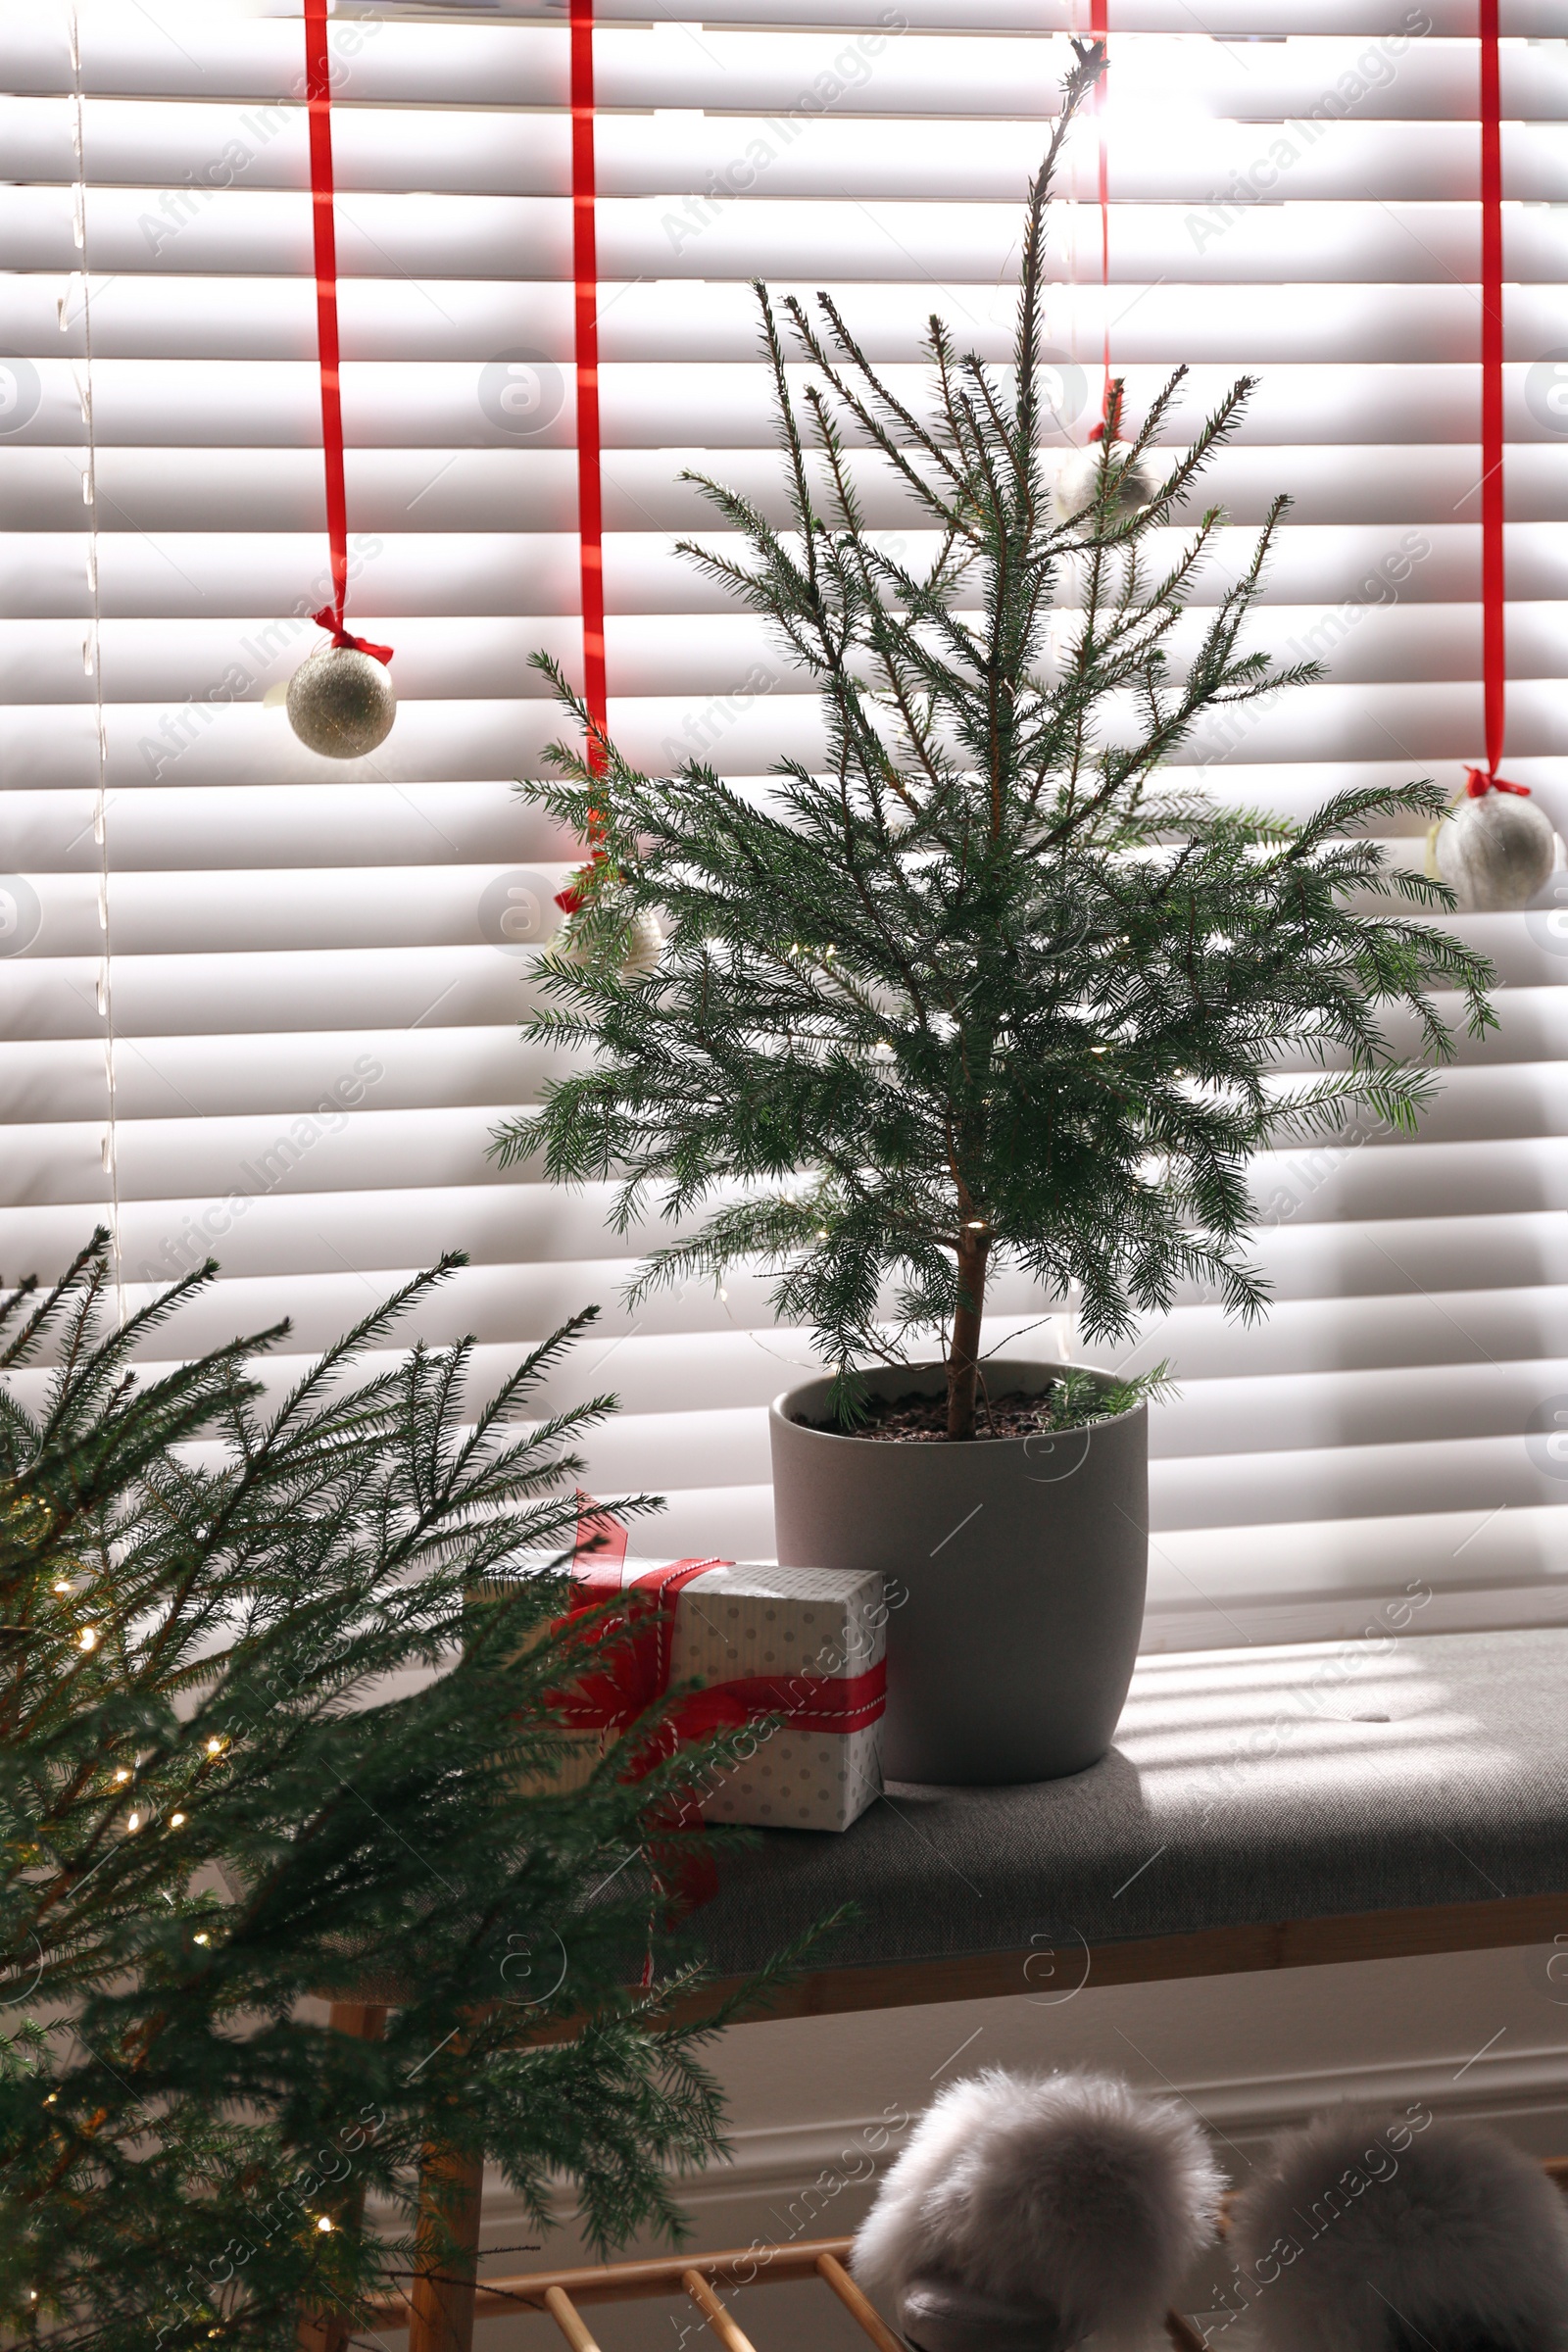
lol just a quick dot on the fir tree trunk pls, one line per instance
(964, 1357)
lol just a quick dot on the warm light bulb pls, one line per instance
(87, 1638)
(214, 1748)
(203, 1939)
(177, 1821)
(323, 2223)
(134, 1822)
(122, 1774)
(62, 1587)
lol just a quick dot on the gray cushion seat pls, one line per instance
(1266, 1785)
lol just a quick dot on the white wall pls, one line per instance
(1483, 2033)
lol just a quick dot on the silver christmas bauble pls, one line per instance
(1077, 486)
(341, 702)
(1496, 852)
(645, 943)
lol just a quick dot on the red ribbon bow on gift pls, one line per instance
(1478, 783)
(326, 618)
(634, 1676)
(637, 1675)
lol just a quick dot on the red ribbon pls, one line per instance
(585, 274)
(1100, 29)
(1494, 656)
(1478, 782)
(636, 1675)
(318, 97)
(326, 618)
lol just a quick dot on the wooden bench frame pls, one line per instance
(441, 2309)
(1247, 1949)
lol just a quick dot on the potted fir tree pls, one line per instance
(992, 990)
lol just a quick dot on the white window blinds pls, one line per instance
(265, 1005)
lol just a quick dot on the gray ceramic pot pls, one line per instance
(1015, 1571)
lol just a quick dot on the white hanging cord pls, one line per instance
(93, 660)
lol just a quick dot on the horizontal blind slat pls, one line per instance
(158, 317)
(535, 489)
(314, 1006)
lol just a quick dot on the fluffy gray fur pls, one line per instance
(1403, 2237)
(1029, 2212)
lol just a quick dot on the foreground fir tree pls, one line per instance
(233, 1787)
(993, 987)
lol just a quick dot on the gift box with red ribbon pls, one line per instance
(799, 1653)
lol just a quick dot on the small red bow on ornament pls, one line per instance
(575, 894)
(326, 618)
(1478, 783)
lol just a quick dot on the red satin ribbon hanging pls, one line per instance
(1493, 651)
(1099, 27)
(585, 275)
(319, 99)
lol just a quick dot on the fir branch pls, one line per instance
(986, 967)
(313, 1746)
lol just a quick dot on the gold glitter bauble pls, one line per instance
(1495, 853)
(341, 703)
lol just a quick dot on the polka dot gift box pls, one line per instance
(801, 1650)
